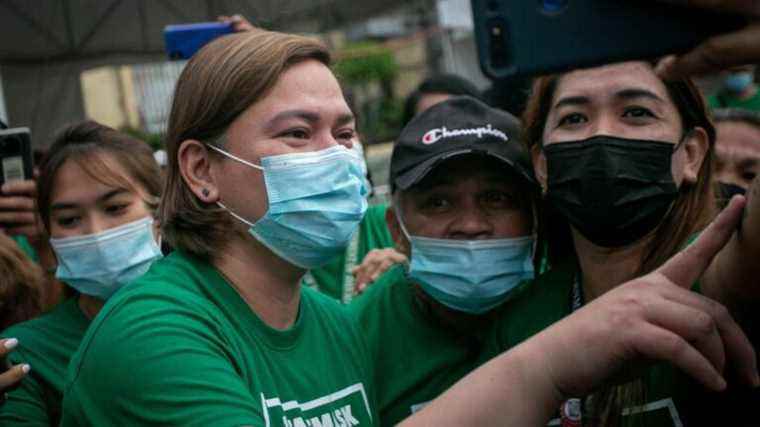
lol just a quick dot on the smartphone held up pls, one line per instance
(519, 38)
(15, 155)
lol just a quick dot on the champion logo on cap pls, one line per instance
(434, 135)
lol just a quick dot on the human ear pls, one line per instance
(694, 150)
(195, 167)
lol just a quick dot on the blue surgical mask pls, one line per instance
(472, 276)
(359, 150)
(738, 82)
(316, 202)
(101, 263)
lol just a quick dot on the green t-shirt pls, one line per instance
(667, 391)
(722, 100)
(416, 359)
(179, 346)
(46, 343)
(335, 279)
(25, 246)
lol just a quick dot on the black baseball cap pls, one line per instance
(460, 125)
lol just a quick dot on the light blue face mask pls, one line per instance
(101, 263)
(738, 82)
(359, 150)
(472, 276)
(316, 202)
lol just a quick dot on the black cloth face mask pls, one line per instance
(614, 191)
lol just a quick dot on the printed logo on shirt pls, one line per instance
(344, 408)
(434, 135)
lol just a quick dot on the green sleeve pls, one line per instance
(150, 361)
(23, 243)
(377, 235)
(25, 405)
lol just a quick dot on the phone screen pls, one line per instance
(15, 155)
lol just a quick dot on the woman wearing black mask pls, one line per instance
(624, 159)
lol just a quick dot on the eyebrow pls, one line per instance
(638, 93)
(572, 100)
(626, 94)
(104, 197)
(308, 116)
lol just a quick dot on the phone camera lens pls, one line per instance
(553, 6)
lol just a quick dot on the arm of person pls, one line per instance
(18, 214)
(25, 401)
(733, 277)
(238, 22)
(655, 317)
(11, 377)
(157, 362)
(720, 52)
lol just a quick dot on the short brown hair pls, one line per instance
(218, 84)
(88, 143)
(21, 285)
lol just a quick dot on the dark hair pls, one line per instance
(443, 83)
(692, 211)
(89, 144)
(509, 94)
(218, 84)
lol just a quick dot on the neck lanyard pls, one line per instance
(352, 252)
(571, 411)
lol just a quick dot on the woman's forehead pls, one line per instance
(94, 173)
(610, 79)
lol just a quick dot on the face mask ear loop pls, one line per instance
(245, 162)
(233, 157)
(159, 237)
(399, 217)
(236, 216)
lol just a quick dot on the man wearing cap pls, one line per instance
(463, 192)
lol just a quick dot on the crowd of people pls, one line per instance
(589, 263)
